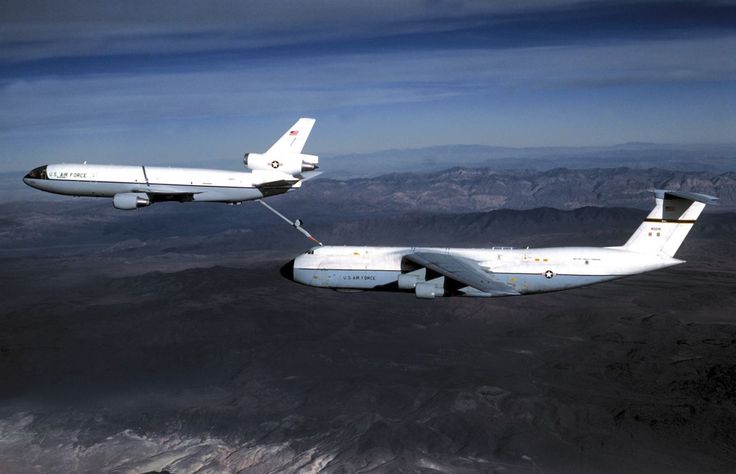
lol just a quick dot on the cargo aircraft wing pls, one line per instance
(462, 270)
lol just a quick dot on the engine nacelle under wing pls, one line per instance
(285, 163)
(427, 290)
(409, 281)
(130, 201)
(430, 289)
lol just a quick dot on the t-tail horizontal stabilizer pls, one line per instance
(666, 227)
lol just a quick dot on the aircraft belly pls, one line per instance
(356, 279)
(109, 189)
(82, 188)
(225, 194)
(527, 283)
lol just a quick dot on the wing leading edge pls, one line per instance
(462, 270)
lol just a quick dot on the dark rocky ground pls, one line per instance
(167, 339)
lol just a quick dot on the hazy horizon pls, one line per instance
(341, 163)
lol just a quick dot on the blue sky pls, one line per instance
(196, 82)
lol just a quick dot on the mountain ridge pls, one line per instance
(480, 189)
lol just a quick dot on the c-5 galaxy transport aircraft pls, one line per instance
(282, 168)
(431, 272)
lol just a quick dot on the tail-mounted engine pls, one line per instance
(286, 163)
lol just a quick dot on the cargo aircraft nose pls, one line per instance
(287, 271)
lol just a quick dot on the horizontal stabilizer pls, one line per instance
(698, 197)
(307, 175)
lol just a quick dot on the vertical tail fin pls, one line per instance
(666, 227)
(293, 141)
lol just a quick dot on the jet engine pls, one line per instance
(430, 289)
(286, 163)
(130, 201)
(409, 281)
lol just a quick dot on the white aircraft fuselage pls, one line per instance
(527, 271)
(280, 169)
(204, 185)
(431, 271)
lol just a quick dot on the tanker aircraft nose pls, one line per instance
(35, 173)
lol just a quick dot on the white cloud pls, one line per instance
(349, 81)
(38, 29)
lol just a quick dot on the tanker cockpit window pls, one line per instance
(38, 173)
